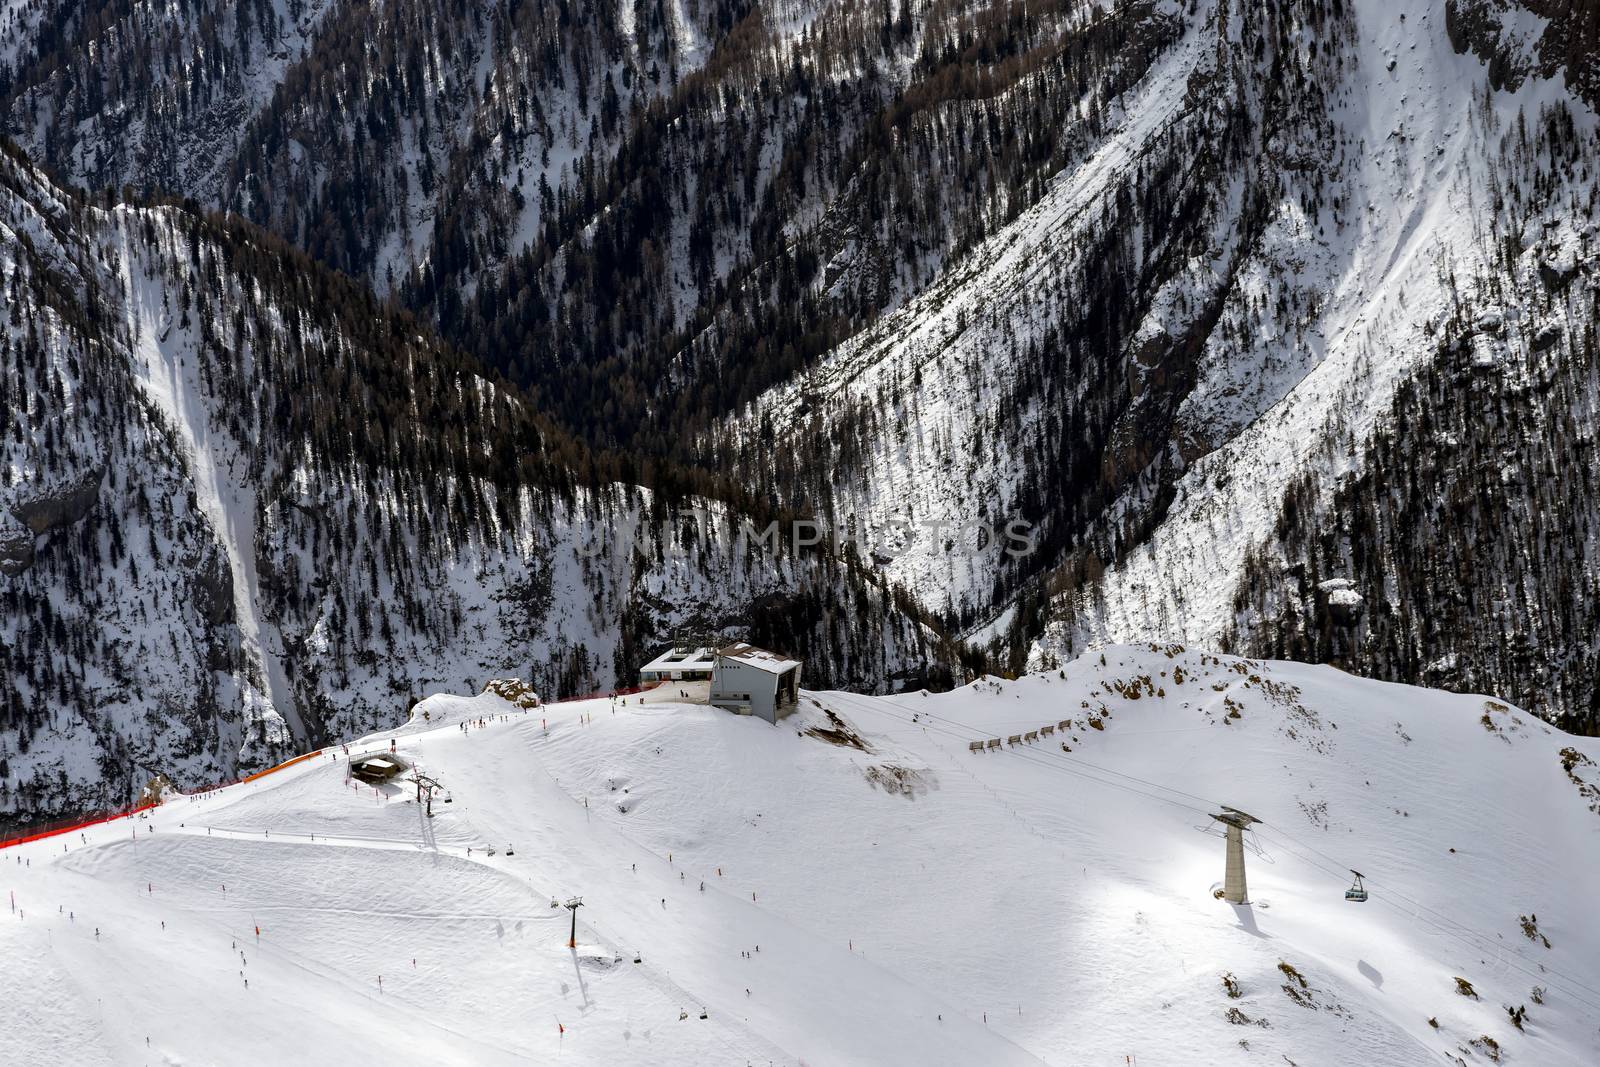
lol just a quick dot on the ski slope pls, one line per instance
(873, 891)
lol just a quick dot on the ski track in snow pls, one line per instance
(1052, 907)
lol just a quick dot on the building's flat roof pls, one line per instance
(759, 658)
(682, 659)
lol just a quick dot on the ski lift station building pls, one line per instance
(747, 680)
(680, 663)
(375, 768)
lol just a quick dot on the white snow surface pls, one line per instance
(910, 902)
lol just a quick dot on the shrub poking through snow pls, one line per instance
(898, 781)
(1464, 987)
(1488, 1046)
(1296, 988)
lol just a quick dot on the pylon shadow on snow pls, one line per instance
(1246, 914)
(583, 987)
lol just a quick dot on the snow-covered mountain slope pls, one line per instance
(246, 509)
(1297, 214)
(152, 95)
(372, 135)
(19, 22)
(1186, 285)
(1442, 195)
(735, 175)
(873, 891)
(432, 138)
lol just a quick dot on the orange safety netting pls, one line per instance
(128, 813)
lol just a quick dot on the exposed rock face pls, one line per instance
(46, 509)
(212, 591)
(1566, 47)
(41, 509)
(1345, 605)
(213, 588)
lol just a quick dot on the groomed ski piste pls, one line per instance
(874, 892)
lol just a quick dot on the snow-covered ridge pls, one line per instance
(873, 891)
(152, 93)
(246, 510)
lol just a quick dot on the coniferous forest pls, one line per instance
(329, 328)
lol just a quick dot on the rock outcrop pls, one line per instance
(44, 509)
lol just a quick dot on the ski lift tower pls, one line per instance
(1234, 890)
(425, 790)
(573, 905)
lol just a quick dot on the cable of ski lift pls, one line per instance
(1038, 760)
(959, 732)
(1208, 802)
(1462, 933)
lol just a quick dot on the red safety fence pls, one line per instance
(53, 827)
(606, 693)
(283, 766)
(252, 777)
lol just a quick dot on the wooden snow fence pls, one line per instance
(1031, 736)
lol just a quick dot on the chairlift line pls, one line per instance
(1207, 802)
(1462, 933)
(1032, 757)
(957, 731)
